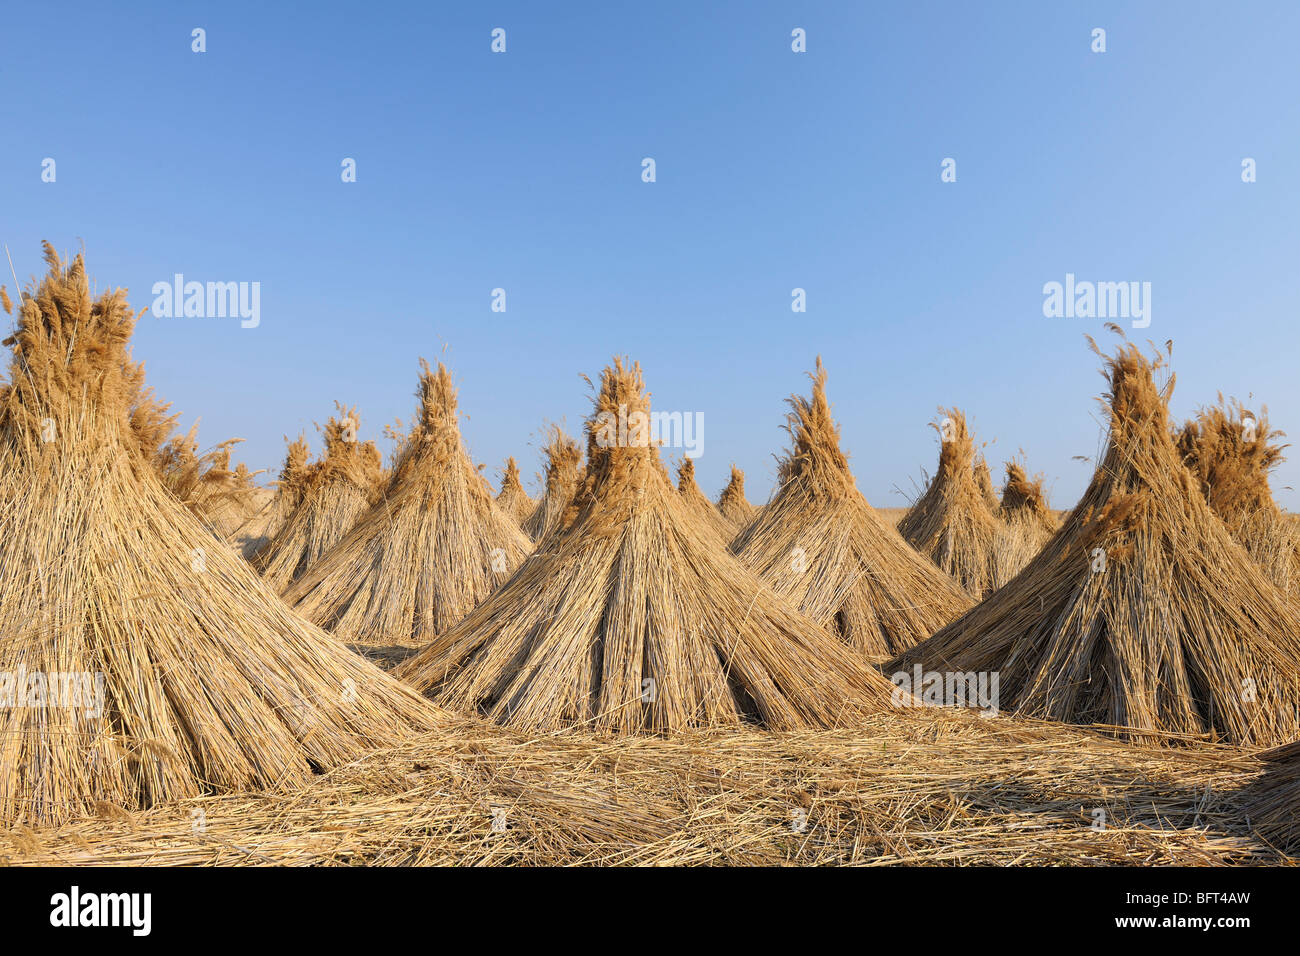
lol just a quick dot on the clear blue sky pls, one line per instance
(775, 170)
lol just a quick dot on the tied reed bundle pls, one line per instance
(732, 503)
(563, 475)
(819, 544)
(1026, 524)
(632, 618)
(698, 506)
(951, 523)
(433, 547)
(196, 678)
(1141, 612)
(337, 491)
(1232, 452)
(513, 500)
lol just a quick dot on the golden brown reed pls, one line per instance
(208, 682)
(563, 475)
(337, 491)
(513, 500)
(698, 506)
(632, 618)
(256, 533)
(1273, 803)
(1141, 612)
(819, 544)
(732, 503)
(1026, 523)
(985, 481)
(915, 789)
(1232, 452)
(951, 523)
(433, 547)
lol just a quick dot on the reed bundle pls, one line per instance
(819, 544)
(432, 548)
(698, 506)
(335, 493)
(149, 662)
(733, 505)
(1141, 612)
(1026, 524)
(513, 500)
(563, 475)
(1231, 451)
(633, 618)
(951, 523)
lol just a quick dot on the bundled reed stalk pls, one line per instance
(1026, 524)
(339, 489)
(985, 481)
(951, 523)
(1231, 453)
(698, 506)
(433, 547)
(732, 503)
(140, 661)
(632, 618)
(257, 532)
(204, 483)
(1273, 804)
(1141, 612)
(513, 500)
(822, 546)
(563, 474)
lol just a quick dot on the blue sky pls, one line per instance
(775, 170)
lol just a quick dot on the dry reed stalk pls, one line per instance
(193, 677)
(1274, 800)
(563, 476)
(1141, 612)
(1232, 452)
(733, 505)
(1026, 524)
(336, 493)
(632, 618)
(951, 523)
(513, 500)
(698, 506)
(820, 545)
(431, 549)
(256, 533)
(912, 790)
(985, 481)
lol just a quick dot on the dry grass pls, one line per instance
(563, 475)
(335, 493)
(432, 548)
(1274, 800)
(733, 505)
(915, 789)
(1141, 612)
(256, 533)
(632, 617)
(1233, 468)
(699, 507)
(513, 500)
(209, 683)
(1026, 523)
(822, 547)
(952, 523)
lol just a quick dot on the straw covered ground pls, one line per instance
(923, 787)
